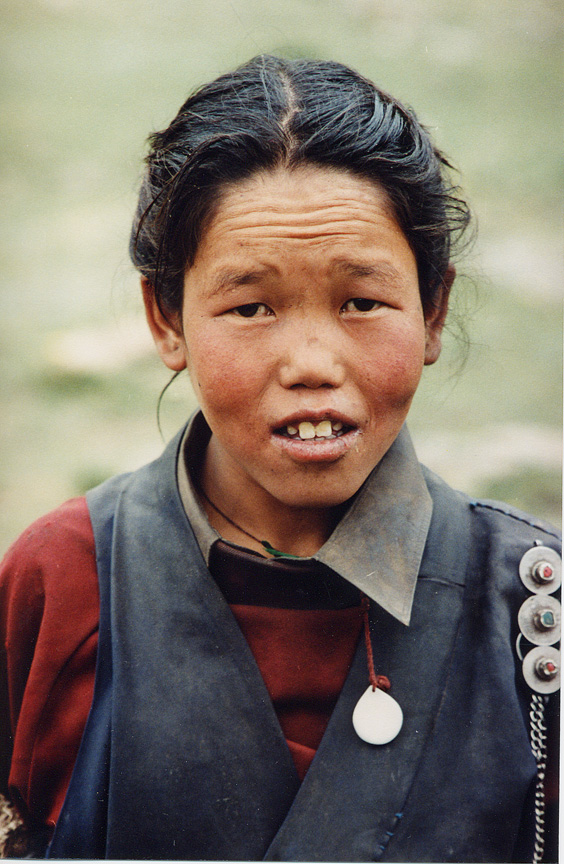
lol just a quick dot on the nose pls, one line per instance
(311, 358)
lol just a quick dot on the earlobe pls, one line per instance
(166, 334)
(435, 317)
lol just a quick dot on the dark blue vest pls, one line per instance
(183, 756)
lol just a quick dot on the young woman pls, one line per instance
(285, 639)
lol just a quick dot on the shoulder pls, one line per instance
(494, 535)
(69, 521)
(512, 521)
(50, 569)
(493, 518)
(63, 536)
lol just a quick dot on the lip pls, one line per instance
(316, 450)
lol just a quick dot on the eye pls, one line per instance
(252, 310)
(360, 304)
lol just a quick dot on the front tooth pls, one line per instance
(306, 430)
(291, 430)
(337, 426)
(323, 429)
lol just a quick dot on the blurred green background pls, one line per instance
(84, 81)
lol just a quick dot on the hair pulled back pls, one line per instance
(272, 112)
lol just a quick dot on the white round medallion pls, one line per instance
(377, 718)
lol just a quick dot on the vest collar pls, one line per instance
(378, 544)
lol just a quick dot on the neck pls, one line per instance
(248, 515)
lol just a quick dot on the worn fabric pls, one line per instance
(452, 767)
(196, 738)
(300, 620)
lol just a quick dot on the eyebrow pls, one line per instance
(359, 270)
(229, 279)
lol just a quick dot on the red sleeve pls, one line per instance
(49, 612)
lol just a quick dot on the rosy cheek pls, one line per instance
(396, 365)
(222, 378)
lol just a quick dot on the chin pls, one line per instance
(314, 496)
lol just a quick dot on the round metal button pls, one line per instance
(539, 619)
(541, 669)
(542, 573)
(540, 570)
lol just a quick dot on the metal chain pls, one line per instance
(538, 745)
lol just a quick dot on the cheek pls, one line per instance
(392, 370)
(224, 376)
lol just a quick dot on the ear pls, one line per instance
(435, 317)
(167, 334)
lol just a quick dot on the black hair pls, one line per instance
(272, 112)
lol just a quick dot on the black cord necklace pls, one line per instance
(276, 553)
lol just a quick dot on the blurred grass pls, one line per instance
(529, 488)
(82, 84)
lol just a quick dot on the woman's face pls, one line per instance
(304, 335)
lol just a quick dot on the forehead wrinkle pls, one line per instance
(247, 235)
(243, 216)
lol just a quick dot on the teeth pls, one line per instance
(323, 429)
(306, 430)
